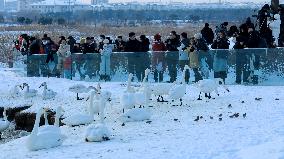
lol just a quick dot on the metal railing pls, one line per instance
(248, 66)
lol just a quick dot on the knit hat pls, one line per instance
(157, 37)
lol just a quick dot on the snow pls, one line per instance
(171, 131)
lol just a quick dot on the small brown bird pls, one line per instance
(197, 118)
(230, 106)
(258, 99)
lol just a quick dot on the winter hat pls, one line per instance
(184, 35)
(157, 37)
(251, 26)
(198, 36)
(106, 41)
(131, 34)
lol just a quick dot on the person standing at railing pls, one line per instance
(105, 60)
(242, 60)
(255, 41)
(33, 62)
(172, 44)
(221, 57)
(133, 47)
(158, 58)
(194, 59)
(64, 60)
(183, 55)
(92, 61)
(205, 58)
(207, 34)
(119, 44)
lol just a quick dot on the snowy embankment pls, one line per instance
(173, 133)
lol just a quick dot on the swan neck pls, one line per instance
(91, 106)
(5, 114)
(36, 125)
(45, 118)
(57, 116)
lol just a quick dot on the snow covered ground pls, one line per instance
(173, 133)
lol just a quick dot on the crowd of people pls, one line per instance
(192, 51)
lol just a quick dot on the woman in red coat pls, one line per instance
(158, 57)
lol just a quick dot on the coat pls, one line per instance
(64, 57)
(193, 58)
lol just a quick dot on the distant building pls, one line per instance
(24, 5)
(55, 6)
(11, 6)
(99, 2)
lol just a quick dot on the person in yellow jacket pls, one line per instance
(194, 59)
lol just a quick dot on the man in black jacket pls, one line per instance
(172, 57)
(137, 60)
(207, 34)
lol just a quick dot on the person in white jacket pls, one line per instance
(64, 60)
(105, 60)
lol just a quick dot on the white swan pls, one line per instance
(127, 98)
(136, 114)
(45, 139)
(47, 93)
(15, 91)
(99, 101)
(81, 119)
(97, 133)
(79, 88)
(208, 86)
(29, 92)
(55, 127)
(4, 123)
(143, 95)
(178, 91)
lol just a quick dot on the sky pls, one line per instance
(193, 1)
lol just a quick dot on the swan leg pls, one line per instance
(209, 95)
(158, 99)
(180, 101)
(199, 97)
(78, 97)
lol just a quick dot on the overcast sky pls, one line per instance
(193, 1)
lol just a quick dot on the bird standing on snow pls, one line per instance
(79, 88)
(47, 93)
(29, 92)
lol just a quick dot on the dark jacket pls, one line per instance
(72, 42)
(172, 44)
(201, 45)
(132, 46)
(89, 48)
(185, 42)
(208, 34)
(119, 45)
(144, 45)
(253, 39)
(35, 47)
(221, 43)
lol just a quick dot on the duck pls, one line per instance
(208, 86)
(127, 98)
(29, 92)
(81, 119)
(4, 123)
(55, 127)
(38, 140)
(15, 91)
(79, 88)
(136, 114)
(179, 90)
(47, 93)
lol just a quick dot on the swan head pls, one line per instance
(43, 85)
